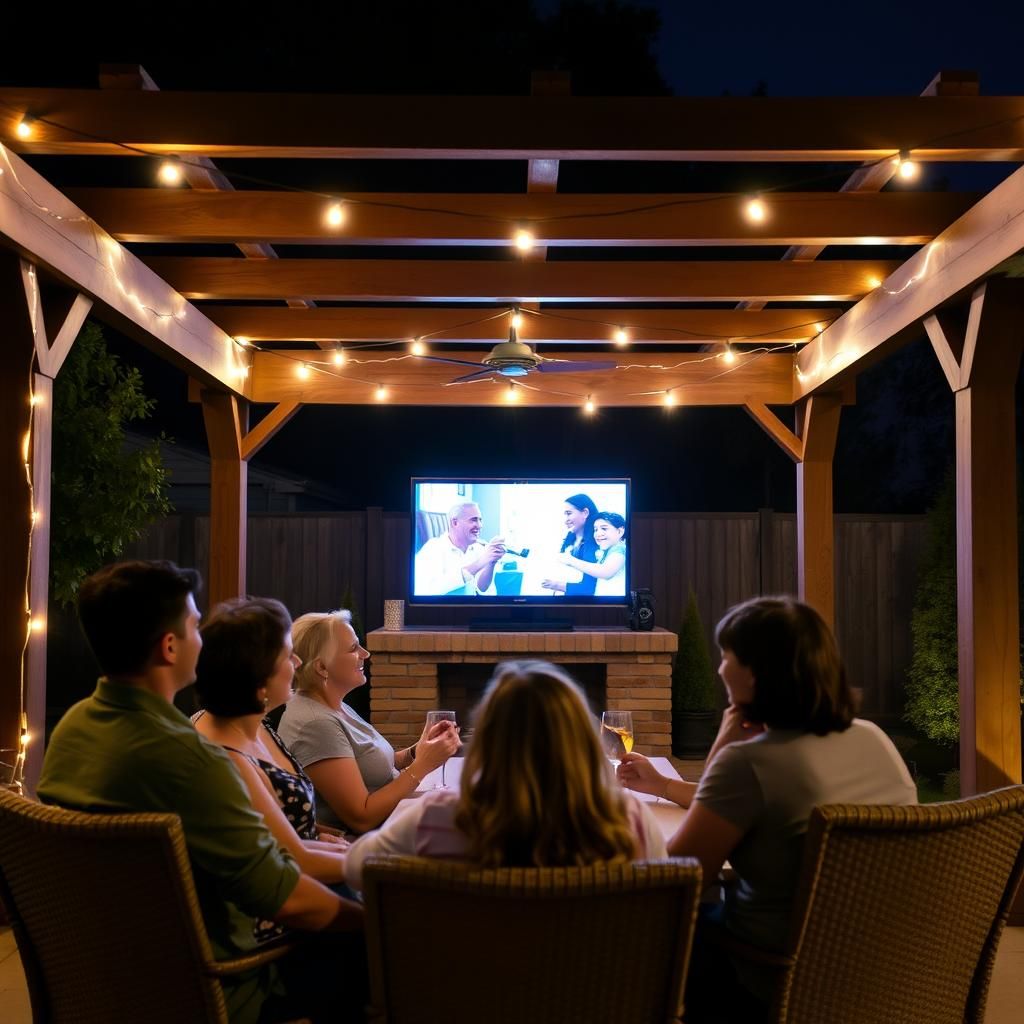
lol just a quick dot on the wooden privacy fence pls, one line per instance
(310, 560)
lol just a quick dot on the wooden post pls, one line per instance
(982, 370)
(818, 426)
(226, 419)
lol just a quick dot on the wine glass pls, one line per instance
(617, 735)
(433, 717)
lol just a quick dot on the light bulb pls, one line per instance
(302, 371)
(511, 394)
(381, 393)
(34, 400)
(589, 406)
(242, 340)
(729, 356)
(874, 282)
(670, 399)
(170, 172)
(243, 372)
(524, 240)
(905, 167)
(335, 215)
(755, 210)
(339, 357)
(517, 319)
(35, 516)
(417, 348)
(25, 128)
(621, 336)
(37, 624)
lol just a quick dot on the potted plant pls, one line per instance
(694, 698)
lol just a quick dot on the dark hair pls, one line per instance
(125, 609)
(619, 522)
(242, 640)
(582, 502)
(799, 679)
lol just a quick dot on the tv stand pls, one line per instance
(519, 625)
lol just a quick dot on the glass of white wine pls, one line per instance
(433, 717)
(617, 735)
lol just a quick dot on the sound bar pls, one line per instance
(519, 626)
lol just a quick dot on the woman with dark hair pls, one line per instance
(579, 513)
(536, 788)
(245, 669)
(789, 742)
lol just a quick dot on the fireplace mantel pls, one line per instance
(639, 673)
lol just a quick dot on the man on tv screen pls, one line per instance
(458, 562)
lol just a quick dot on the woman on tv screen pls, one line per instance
(579, 513)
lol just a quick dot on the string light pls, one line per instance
(242, 371)
(25, 128)
(755, 210)
(511, 394)
(729, 355)
(524, 240)
(517, 319)
(381, 393)
(171, 172)
(417, 348)
(302, 371)
(670, 399)
(621, 336)
(589, 406)
(338, 358)
(906, 168)
(874, 282)
(36, 624)
(243, 341)
(335, 215)
(34, 400)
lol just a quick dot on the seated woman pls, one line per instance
(359, 777)
(245, 669)
(609, 571)
(789, 741)
(536, 788)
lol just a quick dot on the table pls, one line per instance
(668, 815)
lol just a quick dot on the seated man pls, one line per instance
(126, 748)
(457, 562)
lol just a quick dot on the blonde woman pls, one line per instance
(536, 790)
(359, 777)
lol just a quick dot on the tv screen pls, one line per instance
(510, 541)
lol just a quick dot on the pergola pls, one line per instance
(753, 332)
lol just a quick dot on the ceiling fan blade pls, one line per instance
(485, 372)
(445, 359)
(574, 366)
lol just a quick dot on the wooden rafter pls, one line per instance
(641, 380)
(516, 127)
(36, 219)
(971, 248)
(520, 281)
(796, 218)
(331, 324)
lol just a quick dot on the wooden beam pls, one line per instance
(641, 381)
(789, 442)
(56, 313)
(42, 225)
(965, 253)
(818, 420)
(519, 281)
(267, 427)
(332, 324)
(757, 129)
(983, 379)
(225, 417)
(555, 219)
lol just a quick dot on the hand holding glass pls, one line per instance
(433, 717)
(617, 735)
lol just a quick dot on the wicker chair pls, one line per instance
(106, 919)
(899, 912)
(450, 942)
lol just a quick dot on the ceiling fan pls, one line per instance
(513, 358)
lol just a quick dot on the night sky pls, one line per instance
(895, 445)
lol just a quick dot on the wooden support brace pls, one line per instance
(792, 445)
(267, 427)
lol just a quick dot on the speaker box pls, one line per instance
(641, 609)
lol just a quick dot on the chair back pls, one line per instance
(454, 943)
(900, 910)
(105, 916)
(429, 525)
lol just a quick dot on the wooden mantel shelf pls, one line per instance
(404, 670)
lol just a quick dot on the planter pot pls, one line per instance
(693, 732)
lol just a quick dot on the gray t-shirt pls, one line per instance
(314, 732)
(767, 788)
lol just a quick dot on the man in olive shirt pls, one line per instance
(127, 748)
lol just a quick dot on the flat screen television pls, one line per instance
(545, 542)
